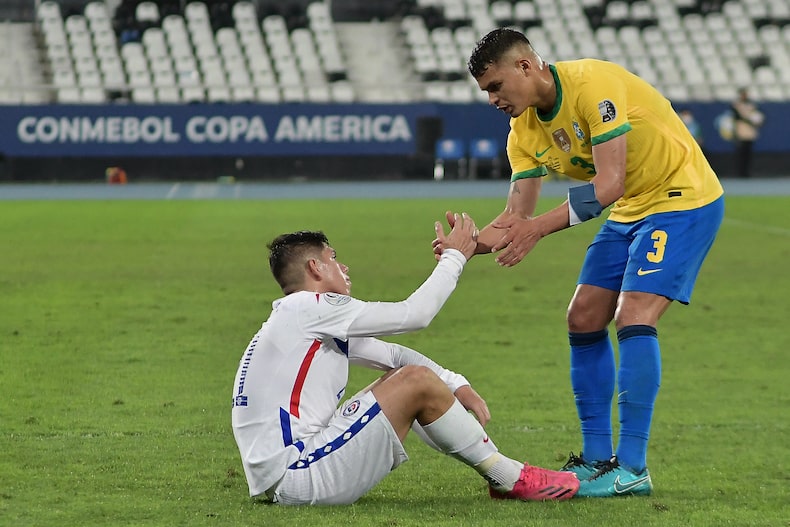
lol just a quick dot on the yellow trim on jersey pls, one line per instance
(596, 102)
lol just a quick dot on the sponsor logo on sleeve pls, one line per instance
(337, 299)
(607, 110)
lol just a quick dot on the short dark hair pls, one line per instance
(492, 47)
(288, 252)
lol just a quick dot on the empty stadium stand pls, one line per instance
(183, 51)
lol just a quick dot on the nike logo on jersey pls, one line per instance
(620, 488)
(643, 272)
(485, 440)
(540, 154)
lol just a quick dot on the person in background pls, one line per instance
(693, 126)
(298, 447)
(748, 120)
(598, 123)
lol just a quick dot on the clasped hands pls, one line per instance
(511, 236)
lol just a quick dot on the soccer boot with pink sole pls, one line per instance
(540, 484)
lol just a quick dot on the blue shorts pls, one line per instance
(660, 254)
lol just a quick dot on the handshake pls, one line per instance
(462, 236)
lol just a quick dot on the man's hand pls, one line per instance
(470, 400)
(462, 237)
(521, 236)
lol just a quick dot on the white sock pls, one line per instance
(458, 434)
(418, 429)
(501, 472)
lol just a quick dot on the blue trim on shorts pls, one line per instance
(660, 254)
(339, 441)
(285, 426)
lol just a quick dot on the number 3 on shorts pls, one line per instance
(659, 238)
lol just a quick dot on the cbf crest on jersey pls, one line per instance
(607, 110)
(562, 139)
(578, 131)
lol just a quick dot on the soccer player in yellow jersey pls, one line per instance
(596, 122)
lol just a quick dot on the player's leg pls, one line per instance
(342, 462)
(592, 355)
(666, 255)
(416, 393)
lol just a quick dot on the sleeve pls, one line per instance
(417, 311)
(379, 355)
(339, 316)
(602, 101)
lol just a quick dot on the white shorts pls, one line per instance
(345, 460)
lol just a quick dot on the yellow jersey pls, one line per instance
(598, 101)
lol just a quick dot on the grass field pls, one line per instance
(122, 324)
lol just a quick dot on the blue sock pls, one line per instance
(592, 379)
(638, 380)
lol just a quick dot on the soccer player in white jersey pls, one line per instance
(298, 447)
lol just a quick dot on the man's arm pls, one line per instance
(521, 202)
(608, 185)
(419, 309)
(380, 355)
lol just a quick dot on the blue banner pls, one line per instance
(240, 130)
(210, 130)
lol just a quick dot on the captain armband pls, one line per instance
(582, 204)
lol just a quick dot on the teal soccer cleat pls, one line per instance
(615, 480)
(579, 466)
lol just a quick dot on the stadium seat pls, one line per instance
(168, 95)
(259, 44)
(268, 94)
(93, 95)
(48, 10)
(69, 95)
(147, 12)
(63, 78)
(243, 93)
(318, 94)
(218, 94)
(342, 91)
(192, 94)
(450, 159)
(293, 93)
(89, 78)
(484, 158)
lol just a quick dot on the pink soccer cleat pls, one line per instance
(540, 484)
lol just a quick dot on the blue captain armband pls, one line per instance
(582, 204)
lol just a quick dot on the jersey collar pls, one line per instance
(545, 117)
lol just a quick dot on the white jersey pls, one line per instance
(295, 370)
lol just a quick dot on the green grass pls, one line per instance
(122, 323)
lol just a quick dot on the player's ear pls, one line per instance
(314, 268)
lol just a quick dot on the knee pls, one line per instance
(584, 317)
(419, 377)
(422, 383)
